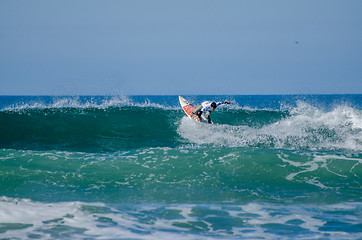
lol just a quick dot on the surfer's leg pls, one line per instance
(197, 109)
(207, 116)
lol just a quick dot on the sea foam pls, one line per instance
(306, 128)
(23, 218)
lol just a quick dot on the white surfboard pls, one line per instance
(187, 107)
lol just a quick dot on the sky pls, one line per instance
(201, 47)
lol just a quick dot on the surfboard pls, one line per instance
(187, 107)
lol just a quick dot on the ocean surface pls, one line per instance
(135, 167)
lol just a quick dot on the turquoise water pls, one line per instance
(101, 167)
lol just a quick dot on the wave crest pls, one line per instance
(80, 102)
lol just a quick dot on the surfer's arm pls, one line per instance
(219, 103)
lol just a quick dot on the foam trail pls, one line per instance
(318, 162)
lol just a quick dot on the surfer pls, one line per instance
(204, 110)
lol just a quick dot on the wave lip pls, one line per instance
(68, 102)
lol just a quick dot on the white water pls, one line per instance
(78, 220)
(306, 128)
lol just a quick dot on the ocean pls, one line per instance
(135, 167)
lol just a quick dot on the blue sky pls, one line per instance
(180, 47)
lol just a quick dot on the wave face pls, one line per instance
(101, 167)
(89, 130)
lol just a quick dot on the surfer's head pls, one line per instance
(213, 106)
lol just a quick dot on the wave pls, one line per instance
(100, 124)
